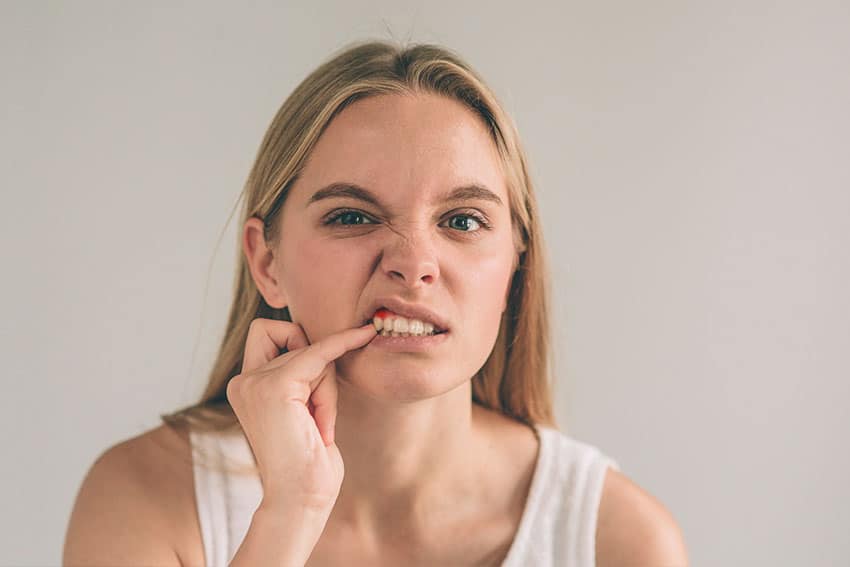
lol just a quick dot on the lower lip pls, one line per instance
(408, 344)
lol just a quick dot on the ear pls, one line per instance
(262, 263)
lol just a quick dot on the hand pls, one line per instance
(286, 404)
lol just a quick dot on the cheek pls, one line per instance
(330, 260)
(480, 296)
(485, 282)
(322, 281)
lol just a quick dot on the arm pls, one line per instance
(634, 529)
(115, 521)
(124, 514)
(280, 537)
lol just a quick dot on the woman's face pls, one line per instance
(339, 254)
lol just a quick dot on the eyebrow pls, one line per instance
(353, 191)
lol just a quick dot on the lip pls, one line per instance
(408, 310)
(408, 344)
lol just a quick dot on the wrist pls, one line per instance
(280, 536)
(291, 517)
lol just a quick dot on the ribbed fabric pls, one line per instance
(557, 528)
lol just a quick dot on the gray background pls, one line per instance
(691, 160)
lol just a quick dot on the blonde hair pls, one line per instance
(515, 378)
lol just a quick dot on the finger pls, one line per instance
(324, 399)
(266, 338)
(309, 362)
(333, 346)
(313, 360)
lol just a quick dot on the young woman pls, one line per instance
(381, 395)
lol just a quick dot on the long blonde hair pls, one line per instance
(515, 378)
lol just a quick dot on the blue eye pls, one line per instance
(465, 225)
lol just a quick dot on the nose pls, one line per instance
(410, 257)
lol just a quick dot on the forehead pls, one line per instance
(412, 145)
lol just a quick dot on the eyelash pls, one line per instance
(335, 215)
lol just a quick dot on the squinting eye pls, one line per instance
(346, 216)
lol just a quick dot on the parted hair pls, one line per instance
(515, 379)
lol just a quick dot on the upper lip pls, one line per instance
(409, 310)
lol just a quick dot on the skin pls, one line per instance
(413, 444)
(430, 479)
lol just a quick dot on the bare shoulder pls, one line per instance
(634, 529)
(136, 503)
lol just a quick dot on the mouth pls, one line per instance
(391, 324)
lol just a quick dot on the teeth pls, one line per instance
(398, 326)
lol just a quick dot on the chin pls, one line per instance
(398, 381)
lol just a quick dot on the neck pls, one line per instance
(404, 462)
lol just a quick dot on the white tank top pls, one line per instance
(558, 524)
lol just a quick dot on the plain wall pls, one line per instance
(690, 159)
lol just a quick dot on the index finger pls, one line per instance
(315, 358)
(310, 366)
(335, 345)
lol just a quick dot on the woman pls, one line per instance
(381, 396)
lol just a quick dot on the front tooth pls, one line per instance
(400, 325)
